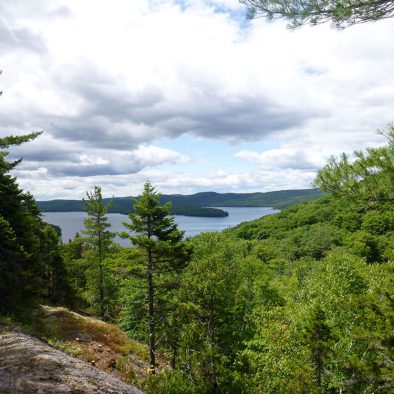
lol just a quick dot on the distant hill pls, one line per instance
(276, 199)
(195, 204)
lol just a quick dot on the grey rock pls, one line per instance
(28, 365)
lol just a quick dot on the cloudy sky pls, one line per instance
(185, 93)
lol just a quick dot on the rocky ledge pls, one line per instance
(28, 365)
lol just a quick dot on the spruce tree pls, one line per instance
(19, 225)
(98, 236)
(163, 254)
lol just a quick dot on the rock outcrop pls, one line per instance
(28, 365)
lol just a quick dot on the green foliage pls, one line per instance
(198, 211)
(168, 382)
(369, 179)
(364, 244)
(163, 255)
(53, 274)
(378, 223)
(279, 357)
(99, 238)
(87, 259)
(12, 258)
(318, 338)
(293, 302)
(341, 13)
(124, 205)
(9, 141)
(29, 258)
(219, 290)
(96, 225)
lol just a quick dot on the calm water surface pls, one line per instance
(72, 222)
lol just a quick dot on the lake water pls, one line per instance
(72, 222)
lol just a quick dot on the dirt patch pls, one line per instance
(100, 344)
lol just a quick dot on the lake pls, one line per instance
(72, 222)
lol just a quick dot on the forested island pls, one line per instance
(124, 205)
(299, 301)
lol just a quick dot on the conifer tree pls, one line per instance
(30, 262)
(342, 13)
(52, 267)
(318, 337)
(98, 235)
(368, 179)
(19, 221)
(163, 252)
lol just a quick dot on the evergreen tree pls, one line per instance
(19, 222)
(341, 13)
(76, 267)
(52, 270)
(217, 293)
(369, 179)
(163, 255)
(318, 337)
(98, 236)
(12, 259)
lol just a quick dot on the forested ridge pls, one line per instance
(124, 205)
(299, 301)
(196, 204)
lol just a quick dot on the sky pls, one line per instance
(187, 94)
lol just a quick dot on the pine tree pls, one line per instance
(163, 252)
(97, 235)
(368, 179)
(342, 13)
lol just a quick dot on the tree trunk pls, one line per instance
(151, 315)
(101, 293)
(210, 327)
(318, 367)
(174, 355)
(101, 280)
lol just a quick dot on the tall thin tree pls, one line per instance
(97, 234)
(164, 253)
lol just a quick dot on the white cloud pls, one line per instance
(108, 83)
(71, 159)
(283, 158)
(167, 182)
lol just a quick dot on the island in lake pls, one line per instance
(199, 204)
